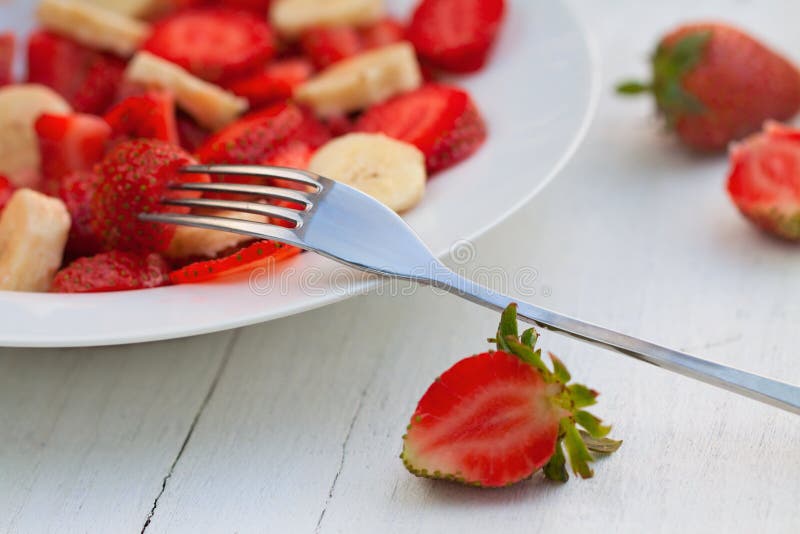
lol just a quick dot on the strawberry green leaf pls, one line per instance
(688, 51)
(592, 424)
(526, 354)
(581, 396)
(556, 468)
(530, 337)
(632, 87)
(508, 327)
(600, 445)
(579, 455)
(560, 370)
(670, 65)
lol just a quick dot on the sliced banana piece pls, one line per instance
(134, 8)
(190, 242)
(209, 104)
(93, 25)
(388, 170)
(363, 80)
(20, 106)
(33, 233)
(291, 17)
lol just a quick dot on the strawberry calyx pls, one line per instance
(580, 432)
(671, 63)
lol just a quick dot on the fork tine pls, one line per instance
(285, 173)
(266, 191)
(228, 224)
(235, 205)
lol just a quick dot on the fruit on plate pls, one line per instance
(259, 254)
(212, 43)
(276, 82)
(93, 26)
(33, 233)
(7, 48)
(112, 271)
(86, 78)
(20, 105)
(456, 35)
(210, 105)
(292, 17)
(442, 121)
(327, 45)
(388, 170)
(715, 84)
(150, 116)
(133, 178)
(764, 180)
(358, 82)
(69, 143)
(496, 418)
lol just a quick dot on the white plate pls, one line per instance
(538, 94)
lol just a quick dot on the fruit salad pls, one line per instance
(119, 95)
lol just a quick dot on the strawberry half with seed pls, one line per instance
(259, 254)
(274, 83)
(149, 116)
(112, 271)
(715, 84)
(496, 418)
(764, 181)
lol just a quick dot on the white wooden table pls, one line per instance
(295, 426)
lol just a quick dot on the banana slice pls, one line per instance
(134, 8)
(291, 17)
(361, 81)
(388, 170)
(209, 104)
(190, 242)
(33, 234)
(93, 25)
(20, 106)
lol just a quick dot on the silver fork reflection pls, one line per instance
(339, 222)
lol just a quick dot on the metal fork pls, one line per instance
(342, 223)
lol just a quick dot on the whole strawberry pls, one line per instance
(715, 84)
(764, 180)
(132, 179)
(496, 418)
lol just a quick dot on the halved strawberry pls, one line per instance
(275, 83)
(382, 33)
(7, 47)
(77, 190)
(441, 121)
(259, 254)
(327, 45)
(764, 180)
(112, 271)
(190, 134)
(134, 177)
(214, 44)
(496, 418)
(88, 79)
(456, 35)
(69, 143)
(149, 116)
(6, 190)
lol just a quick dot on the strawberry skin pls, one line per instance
(716, 84)
(274, 83)
(764, 181)
(112, 271)
(382, 33)
(259, 254)
(69, 143)
(456, 35)
(7, 47)
(149, 116)
(134, 177)
(76, 190)
(442, 121)
(213, 43)
(327, 45)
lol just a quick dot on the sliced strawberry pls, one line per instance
(6, 190)
(112, 271)
(260, 254)
(69, 143)
(86, 78)
(764, 180)
(149, 116)
(456, 35)
(385, 32)
(275, 83)
(76, 190)
(214, 44)
(327, 45)
(441, 121)
(190, 134)
(496, 418)
(7, 47)
(134, 177)
(294, 154)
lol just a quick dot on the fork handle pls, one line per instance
(766, 390)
